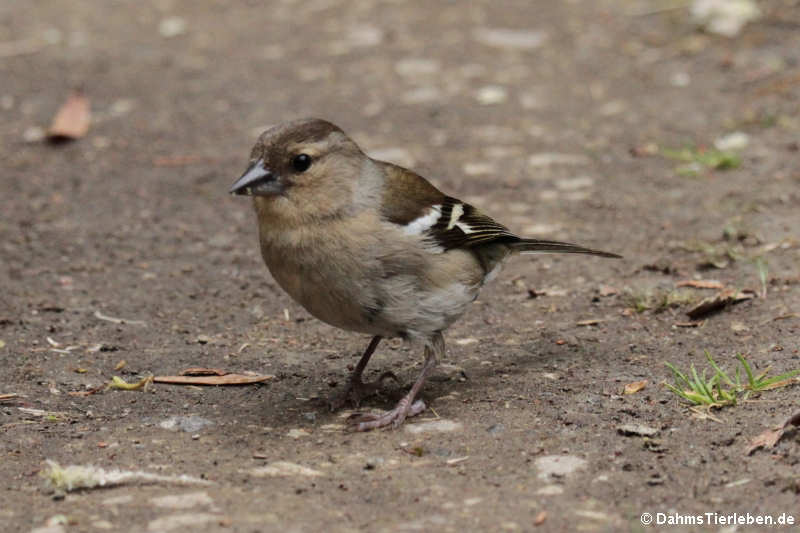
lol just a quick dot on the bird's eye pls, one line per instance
(301, 162)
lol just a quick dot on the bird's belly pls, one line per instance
(323, 297)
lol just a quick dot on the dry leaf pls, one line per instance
(606, 290)
(199, 371)
(701, 284)
(227, 379)
(72, 119)
(540, 518)
(719, 301)
(770, 437)
(119, 383)
(636, 386)
(696, 324)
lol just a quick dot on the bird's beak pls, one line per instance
(257, 181)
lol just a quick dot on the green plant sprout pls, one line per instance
(720, 390)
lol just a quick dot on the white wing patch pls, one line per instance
(455, 214)
(425, 222)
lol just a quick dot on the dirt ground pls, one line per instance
(561, 119)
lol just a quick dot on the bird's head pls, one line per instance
(304, 167)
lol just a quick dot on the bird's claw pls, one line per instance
(393, 418)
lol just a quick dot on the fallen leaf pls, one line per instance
(636, 386)
(606, 290)
(227, 379)
(701, 284)
(719, 301)
(540, 518)
(119, 383)
(695, 324)
(770, 437)
(199, 371)
(120, 365)
(72, 119)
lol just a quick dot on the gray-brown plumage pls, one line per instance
(372, 247)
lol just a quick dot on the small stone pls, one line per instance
(443, 426)
(737, 140)
(120, 107)
(724, 17)
(491, 95)
(284, 468)
(571, 184)
(640, 430)
(495, 429)
(34, 134)
(189, 424)
(172, 27)
(594, 515)
(547, 159)
(298, 433)
(550, 490)
(510, 39)
(680, 79)
(558, 465)
(365, 36)
(478, 169)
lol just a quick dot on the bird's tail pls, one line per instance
(538, 246)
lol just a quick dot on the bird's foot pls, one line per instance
(405, 408)
(357, 390)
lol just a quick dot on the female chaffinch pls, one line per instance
(372, 247)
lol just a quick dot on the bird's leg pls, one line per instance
(356, 389)
(406, 406)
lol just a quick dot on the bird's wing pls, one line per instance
(419, 208)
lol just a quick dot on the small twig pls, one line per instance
(116, 320)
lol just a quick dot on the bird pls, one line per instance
(371, 247)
